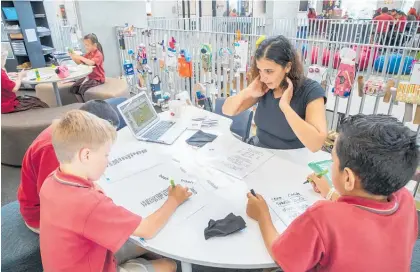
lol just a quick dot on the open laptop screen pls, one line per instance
(139, 113)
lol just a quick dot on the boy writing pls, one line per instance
(40, 160)
(81, 228)
(373, 224)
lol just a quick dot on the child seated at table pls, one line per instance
(40, 160)
(81, 228)
(10, 102)
(94, 57)
(373, 225)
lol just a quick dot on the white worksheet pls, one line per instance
(288, 206)
(145, 192)
(240, 160)
(129, 160)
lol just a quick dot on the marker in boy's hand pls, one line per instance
(257, 208)
(320, 174)
(179, 194)
(320, 184)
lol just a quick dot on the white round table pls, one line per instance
(284, 172)
(48, 75)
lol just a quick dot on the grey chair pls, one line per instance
(241, 123)
(19, 245)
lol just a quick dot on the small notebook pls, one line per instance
(320, 166)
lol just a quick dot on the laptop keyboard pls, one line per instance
(158, 130)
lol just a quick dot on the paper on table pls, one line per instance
(288, 206)
(130, 160)
(145, 192)
(241, 160)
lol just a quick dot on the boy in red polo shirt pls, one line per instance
(40, 160)
(373, 224)
(94, 57)
(383, 25)
(81, 228)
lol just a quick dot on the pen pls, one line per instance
(253, 192)
(172, 183)
(320, 174)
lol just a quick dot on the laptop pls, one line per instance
(145, 124)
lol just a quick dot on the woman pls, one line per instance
(291, 110)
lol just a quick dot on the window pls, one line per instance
(303, 5)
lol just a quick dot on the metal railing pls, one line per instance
(318, 42)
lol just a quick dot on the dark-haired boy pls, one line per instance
(373, 225)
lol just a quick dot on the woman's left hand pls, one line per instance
(287, 94)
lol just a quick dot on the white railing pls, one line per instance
(318, 43)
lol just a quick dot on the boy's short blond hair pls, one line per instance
(79, 129)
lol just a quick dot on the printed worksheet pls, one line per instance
(241, 160)
(145, 192)
(131, 159)
(288, 206)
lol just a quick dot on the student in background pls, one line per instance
(311, 13)
(10, 102)
(374, 157)
(401, 21)
(393, 13)
(383, 24)
(40, 160)
(377, 13)
(81, 228)
(94, 57)
(384, 16)
(291, 107)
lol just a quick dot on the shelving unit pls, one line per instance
(28, 34)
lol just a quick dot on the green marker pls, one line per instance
(320, 174)
(172, 183)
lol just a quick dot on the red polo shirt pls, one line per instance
(81, 228)
(8, 97)
(39, 161)
(98, 72)
(383, 26)
(353, 234)
(402, 22)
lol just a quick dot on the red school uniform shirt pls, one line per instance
(8, 97)
(383, 26)
(81, 228)
(353, 234)
(39, 161)
(402, 22)
(98, 72)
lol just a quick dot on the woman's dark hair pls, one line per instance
(380, 150)
(311, 10)
(94, 39)
(280, 50)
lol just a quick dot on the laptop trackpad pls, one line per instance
(170, 136)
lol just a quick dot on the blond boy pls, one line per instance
(81, 228)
